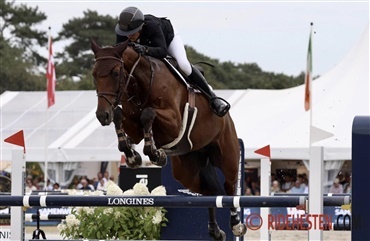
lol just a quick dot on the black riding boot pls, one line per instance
(218, 105)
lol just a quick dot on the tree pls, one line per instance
(77, 58)
(18, 29)
(19, 41)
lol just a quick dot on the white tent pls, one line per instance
(277, 117)
(262, 117)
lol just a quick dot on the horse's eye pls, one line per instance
(115, 74)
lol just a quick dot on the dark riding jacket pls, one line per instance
(156, 34)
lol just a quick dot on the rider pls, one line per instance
(157, 37)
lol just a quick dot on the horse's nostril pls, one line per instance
(107, 117)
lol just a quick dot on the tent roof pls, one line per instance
(262, 117)
(277, 117)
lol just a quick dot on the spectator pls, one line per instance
(85, 185)
(102, 185)
(336, 187)
(100, 176)
(29, 187)
(288, 183)
(275, 187)
(300, 178)
(49, 186)
(254, 188)
(106, 175)
(346, 183)
(74, 184)
(248, 192)
(297, 188)
(56, 187)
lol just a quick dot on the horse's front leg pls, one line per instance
(133, 158)
(156, 156)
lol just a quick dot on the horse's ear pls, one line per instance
(120, 48)
(94, 46)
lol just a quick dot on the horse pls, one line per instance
(172, 118)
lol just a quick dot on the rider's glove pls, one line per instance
(141, 49)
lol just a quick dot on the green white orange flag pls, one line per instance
(50, 76)
(308, 77)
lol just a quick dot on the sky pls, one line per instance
(273, 34)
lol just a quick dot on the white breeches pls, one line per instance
(177, 50)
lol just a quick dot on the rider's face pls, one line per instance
(134, 37)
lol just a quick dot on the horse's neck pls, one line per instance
(130, 57)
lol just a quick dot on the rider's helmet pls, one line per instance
(130, 21)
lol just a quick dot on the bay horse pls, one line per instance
(172, 119)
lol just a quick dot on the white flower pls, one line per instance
(97, 193)
(61, 227)
(159, 191)
(108, 210)
(140, 189)
(129, 192)
(72, 221)
(89, 210)
(72, 191)
(117, 214)
(113, 189)
(79, 209)
(157, 218)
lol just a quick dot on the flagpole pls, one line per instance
(308, 85)
(47, 119)
(311, 90)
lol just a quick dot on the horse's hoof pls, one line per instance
(134, 161)
(220, 237)
(161, 158)
(239, 229)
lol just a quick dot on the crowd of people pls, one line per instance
(297, 185)
(80, 183)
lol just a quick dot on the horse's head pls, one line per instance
(108, 79)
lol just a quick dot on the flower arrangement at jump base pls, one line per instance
(126, 223)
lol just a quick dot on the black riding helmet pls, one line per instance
(130, 21)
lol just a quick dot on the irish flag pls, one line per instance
(308, 77)
(50, 76)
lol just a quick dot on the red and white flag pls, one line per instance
(50, 76)
(308, 77)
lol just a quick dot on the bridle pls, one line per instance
(122, 76)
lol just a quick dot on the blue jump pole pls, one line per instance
(360, 178)
(164, 201)
(153, 201)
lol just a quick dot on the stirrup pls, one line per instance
(220, 110)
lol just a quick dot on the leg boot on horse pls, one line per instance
(133, 158)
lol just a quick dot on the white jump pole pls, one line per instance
(18, 172)
(315, 194)
(265, 191)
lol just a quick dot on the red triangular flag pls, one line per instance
(264, 151)
(17, 139)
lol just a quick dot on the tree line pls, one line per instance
(22, 68)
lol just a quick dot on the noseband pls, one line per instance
(122, 76)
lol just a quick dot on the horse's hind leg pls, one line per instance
(124, 142)
(211, 186)
(157, 157)
(214, 230)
